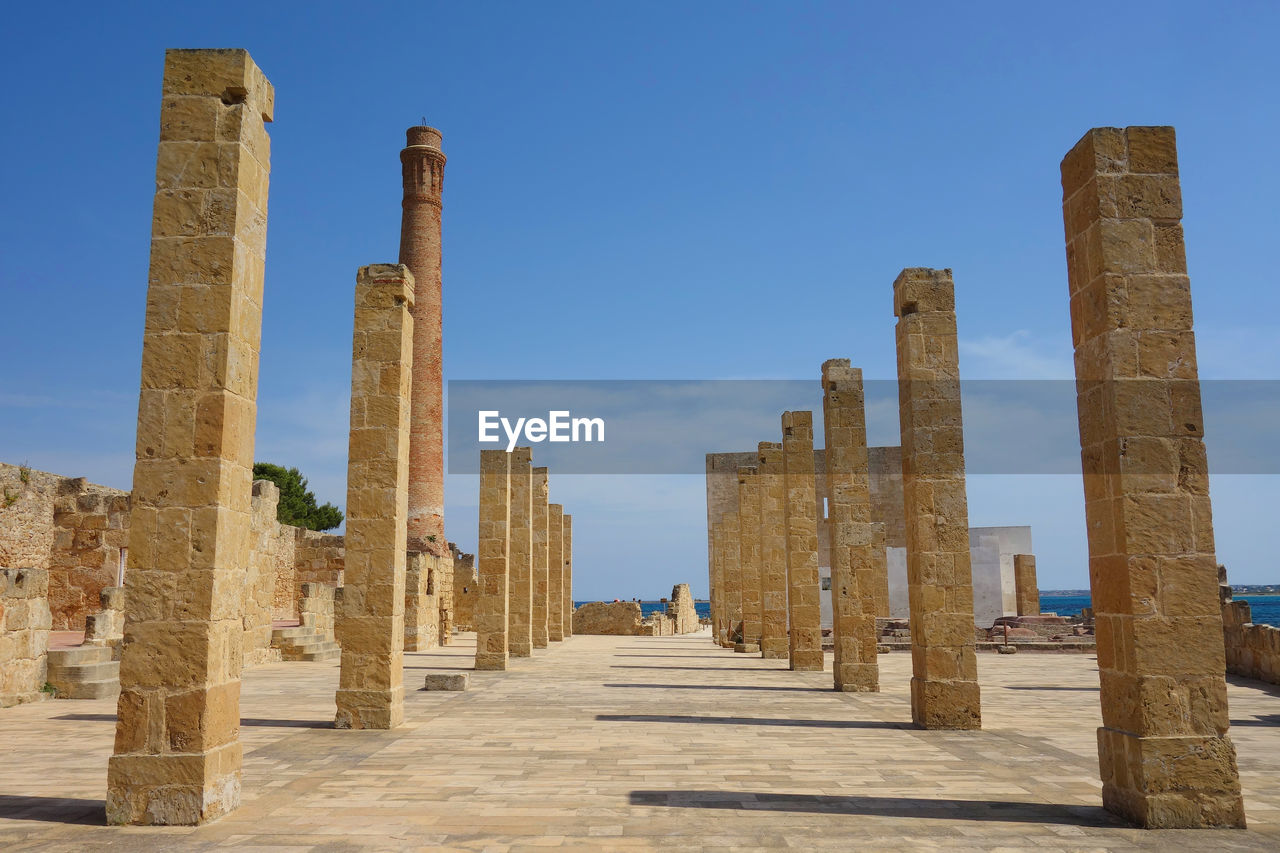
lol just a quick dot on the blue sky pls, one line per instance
(640, 191)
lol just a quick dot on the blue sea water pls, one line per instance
(1265, 608)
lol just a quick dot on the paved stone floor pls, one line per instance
(605, 743)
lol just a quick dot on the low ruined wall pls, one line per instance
(681, 610)
(318, 557)
(265, 534)
(428, 601)
(619, 618)
(24, 634)
(1253, 651)
(466, 589)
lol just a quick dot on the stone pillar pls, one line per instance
(878, 574)
(1025, 587)
(490, 615)
(849, 528)
(420, 621)
(1166, 759)
(731, 531)
(719, 623)
(944, 684)
(774, 644)
(541, 547)
(422, 175)
(566, 579)
(801, 523)
(177, 750)
(371, 630)
(520, 558)
(555, 575)
(749, 486)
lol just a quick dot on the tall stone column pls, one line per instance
(774, 644)
(719, 621)
(422, 175)
(849, 526)
(541, 577)
(493, 549)
(520, 559)
(876, 591)
(371, 630)
(566, 579)
(1025, 587)
(1166, 759)
(944, 686)
(555, 575)
(731, 528)
(801, 514)
(177, 751)
(749, 487)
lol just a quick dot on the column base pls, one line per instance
(174, 789)
(857, 678)
(807, 661)
(1178, 782)
(556, 638)
(539, 643)
(774, 649)
(491, 662)
(946, 704)
(520, 650)
(369, 709)
(746, 648)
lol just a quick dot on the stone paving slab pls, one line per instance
(638, 743)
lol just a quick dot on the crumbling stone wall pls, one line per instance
(318, 558)
(260, 581)
(1253, 651)
(428, 601)
(24, 634)
(616, 618)
(106, 627)
(466, 584)
(681, 610)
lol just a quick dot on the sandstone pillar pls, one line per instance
(177, 751)
(541, 577)
(566, 579)
(944, 685)
(774, 644)
(849, 527)
(719, 622)
(371, 630)
(730, 527)
(493, 548)
(555, 575)
(749, 486)
(801, 521)
(1026, 590)
(878, 575)
(1165, 756)
(520, 558)
(422, 176)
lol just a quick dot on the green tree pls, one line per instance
(297, 504)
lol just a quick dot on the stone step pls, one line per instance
(294, 632)
(108, 670)
(78, 655)
(324, 654)
(107, 689)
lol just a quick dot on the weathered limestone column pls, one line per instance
(878, 588)
(541, 545)
(520, 558)
(492, 550)
(849, 526)
(1025, 587)
(177, 751)
(566, 579)
(371, 630)
(801, 513)
(1166, 759)
(749, 487)
(719, 622)
(555, 575)
(422, 176)
(731, 529)
(944, 686)
(774, 644)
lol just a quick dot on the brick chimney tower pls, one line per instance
(422, 169)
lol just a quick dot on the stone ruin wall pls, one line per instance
(1253, 651)
(466, 588)
(623, 618)
(681, 610)
(24, 634)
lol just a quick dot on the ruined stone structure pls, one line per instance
(618, 618)
(852, 536)
(719, 619)
(490, 616)
(541, 553)
(774, 644)
(106, 626)
(1165, 757)
(260, 582)
(1025, 585)
(177, 752)
(944, 687)
(749, 498)
(466, 591)
(801, 514)
(371, 625)
(682, 611)
(731, 577)
(1253, 651)
(555, 576)
(566, 575)
(520, 556)
(422, 174)
(428, 601)
(24, 634)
